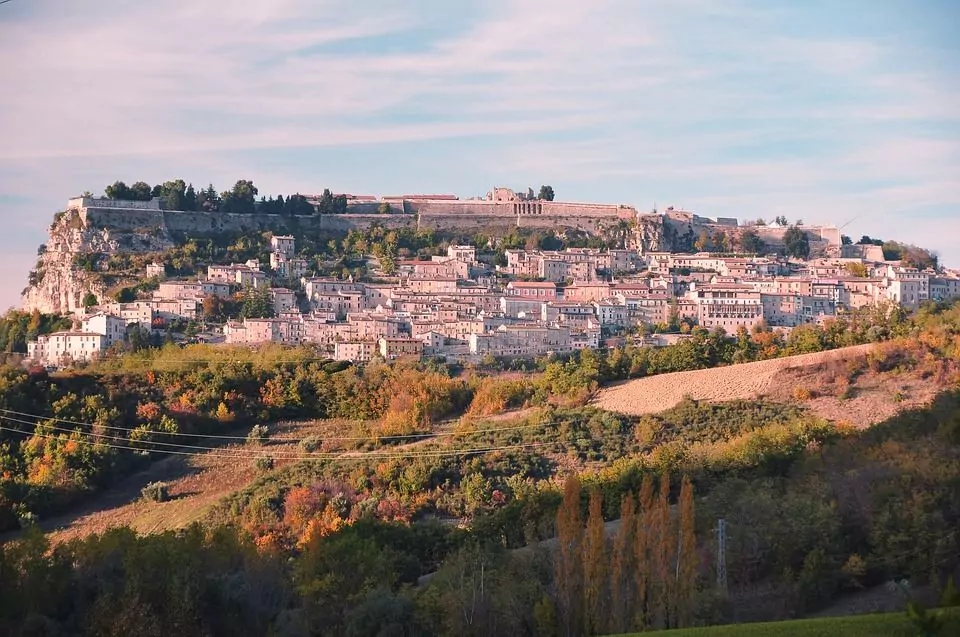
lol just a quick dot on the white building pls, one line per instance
(284, 245)
(112, 328)
(65, 348)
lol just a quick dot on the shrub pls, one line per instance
(28, 519)
(156, 492)
(310, 444)
(264, 463)
(259, 434)
(803, 393)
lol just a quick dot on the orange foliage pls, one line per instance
(300, 506)
(327, 523)
(148, 411)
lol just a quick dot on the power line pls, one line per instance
(368, 456)
(198, 448)
(225, 437)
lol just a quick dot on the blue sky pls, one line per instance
(822, 110)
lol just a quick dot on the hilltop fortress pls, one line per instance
(500, 208)
(104, 227)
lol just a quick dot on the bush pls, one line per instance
(803, 393)
(259, 434)
(264, 463)
(28, 519)
(156, 492)
(310, 444)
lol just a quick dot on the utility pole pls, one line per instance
(722, 554)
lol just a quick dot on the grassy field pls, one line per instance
(881, 625)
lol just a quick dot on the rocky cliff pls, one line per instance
(66, 268)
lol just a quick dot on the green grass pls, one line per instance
(881, 625)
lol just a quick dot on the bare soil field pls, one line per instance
(734, 382)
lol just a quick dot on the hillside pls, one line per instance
(733, 382)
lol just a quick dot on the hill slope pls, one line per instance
(657, 393)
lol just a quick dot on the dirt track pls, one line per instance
(749, 380)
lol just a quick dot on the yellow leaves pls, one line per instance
(327, 523)
(223, 413)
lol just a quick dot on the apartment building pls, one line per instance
(727, 306)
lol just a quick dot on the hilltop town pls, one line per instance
(506, 275)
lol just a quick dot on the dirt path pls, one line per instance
(749, 380)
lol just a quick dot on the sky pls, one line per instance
(830, 111)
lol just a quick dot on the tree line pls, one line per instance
(241, 198)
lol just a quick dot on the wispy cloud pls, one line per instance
(731, 107)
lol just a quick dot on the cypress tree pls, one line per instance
(595, 567)
(569, 565)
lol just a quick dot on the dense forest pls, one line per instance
(326, 546)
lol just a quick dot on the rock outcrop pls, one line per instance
(66, 268)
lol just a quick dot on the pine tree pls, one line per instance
(644, 562)
(622, 589)
(569, 566)
(595, 562)
(686, 556)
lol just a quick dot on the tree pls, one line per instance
(782, 220)
(622, 588)
(118, 190)
(173, 194)
(325, 204)
(256, 303)
(240, 199)
(720, 242)
(89, 300)
(644, 559)
(686, 556)
(661, 539)
(141, 191)
(208, 200)
(595, 568)
(751, 243)
(383, 208)
(297, 205)
(856, 269)
(569, 563)
(546, 193)
(845, 240)
(212, 307)
(190, 198)
(796, 243)
(703, 241)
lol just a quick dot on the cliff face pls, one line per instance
(59, 281)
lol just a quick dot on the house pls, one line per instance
(157, 270)
(725, 305)
(466, 254)
(543, 291)
(66, 347)
(113, 328)
(611, 314)
(357, 351)
(391, 348)
(283, 245)
(283, 300)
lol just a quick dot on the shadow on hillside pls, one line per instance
(125, 492)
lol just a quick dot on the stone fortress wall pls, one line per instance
(501, 208)
(444, 213)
